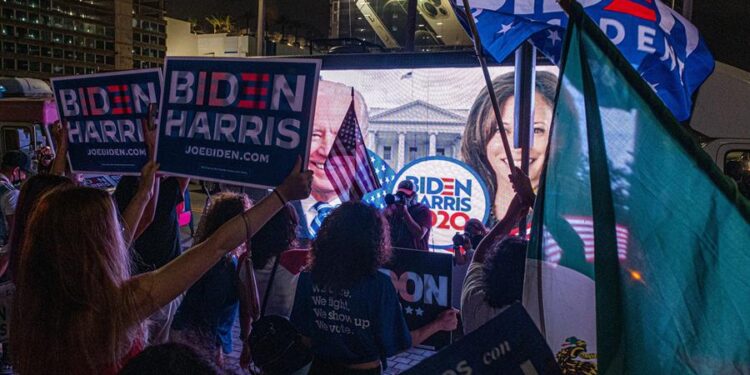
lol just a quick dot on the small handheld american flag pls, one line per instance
(348, 166)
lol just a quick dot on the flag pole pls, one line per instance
(490, 89)
(524, 93)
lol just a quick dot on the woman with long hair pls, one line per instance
(345, 306)
(208, 310)
(482, 148)
(77, 308)
(270, 255)
(33, 189)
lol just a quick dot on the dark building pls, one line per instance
(46, 38)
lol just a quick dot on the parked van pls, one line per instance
(721, 116)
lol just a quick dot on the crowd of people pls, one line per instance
(101, 283)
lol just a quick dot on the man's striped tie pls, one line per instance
(322, 209)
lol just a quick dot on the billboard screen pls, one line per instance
(434, 126)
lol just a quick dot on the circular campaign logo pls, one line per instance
(453, 192)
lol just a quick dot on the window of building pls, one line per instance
(69, 70)
(21, 32)
(57, 37)
(9, 64)
(110, 60)
(33, 34)
(34, 66)
(99, 59)
(6, 30)
(161, 28)
(387, 152)
(34, 18)
(34, 50)
(99, 44)
(80, 70)
(46, 68)
(21, 16)
(57, 69)
(440, 151)
(136, 37)
(68, 39)
(57, 53)
(9, 14)
(70, 55)
(9, 47)
(22, 65)
(412, 153)
(22, 49)
(110, 46)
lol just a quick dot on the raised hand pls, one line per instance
(448, 320)
(60, 135)
(150, 131)
(297, 184)
(522, 187)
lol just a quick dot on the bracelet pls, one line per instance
(283, 202)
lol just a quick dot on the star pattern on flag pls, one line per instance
(409, 310)
(386, 175)
(419, 311)
(505, 28)
(554, 36)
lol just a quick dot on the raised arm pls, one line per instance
(133, 213)
(149, 138)
(517, 209)
(155, 289)
(60, 133)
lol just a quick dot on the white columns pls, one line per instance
(400, 154)
(433, 144)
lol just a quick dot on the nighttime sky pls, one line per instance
(311, 12)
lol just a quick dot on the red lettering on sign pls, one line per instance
(632, 8)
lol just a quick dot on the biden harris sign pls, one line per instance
(104, 114)
(242, 121)
(453, 192)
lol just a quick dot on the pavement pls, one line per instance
(396, 364)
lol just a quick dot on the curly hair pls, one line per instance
(224, 206)
(278, 235)
(504, 269)
(352, 243)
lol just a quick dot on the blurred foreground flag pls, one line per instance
(662, 46)
(666, 290)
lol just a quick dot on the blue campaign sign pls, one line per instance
(105, 113)
(242, 121)
(508, 344)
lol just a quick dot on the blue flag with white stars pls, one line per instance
(657, 41)
(386, 175)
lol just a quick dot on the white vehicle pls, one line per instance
(722, 116)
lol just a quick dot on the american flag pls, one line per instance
(584, 228)
(348, 166)
(386, 176)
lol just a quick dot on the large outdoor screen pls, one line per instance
(436, 127)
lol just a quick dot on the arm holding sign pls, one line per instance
(517, 209)
(133, 213)
(446, 321)
(153, 290)
(149, 137)
(60, 134)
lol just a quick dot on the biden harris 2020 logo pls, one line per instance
(453, 192)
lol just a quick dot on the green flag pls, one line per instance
(641, 247)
